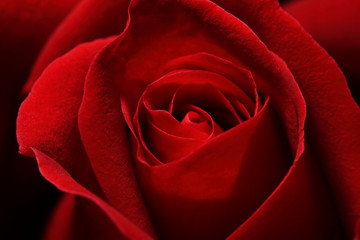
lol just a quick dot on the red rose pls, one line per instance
(190, 124)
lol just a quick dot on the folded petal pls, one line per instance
(104, 135)
(47, 119)
(22, 36)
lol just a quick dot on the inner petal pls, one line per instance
(205, 124)
(208, 98)
(167, 123)
(166, 147)
(193, 117)
(184, 108)
(195, 120)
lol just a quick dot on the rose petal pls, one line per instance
(159, 142)
(59, 91)
(333, 118)
(207, 62)
(208, 98)
(25, 26)
(104, 135)
(167, 123)
(47, 119)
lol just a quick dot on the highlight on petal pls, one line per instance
(47, 119)
(22, 36)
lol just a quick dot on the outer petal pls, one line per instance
(47, 119)
(90, 20)
(22, 36)
(334, 24)
(48, 122)
(104, 135)
(333, 118)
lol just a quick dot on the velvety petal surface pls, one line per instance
(47, 119)
(25, 27)
(104, 135)
(48, 122)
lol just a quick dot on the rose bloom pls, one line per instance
(178, 119)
